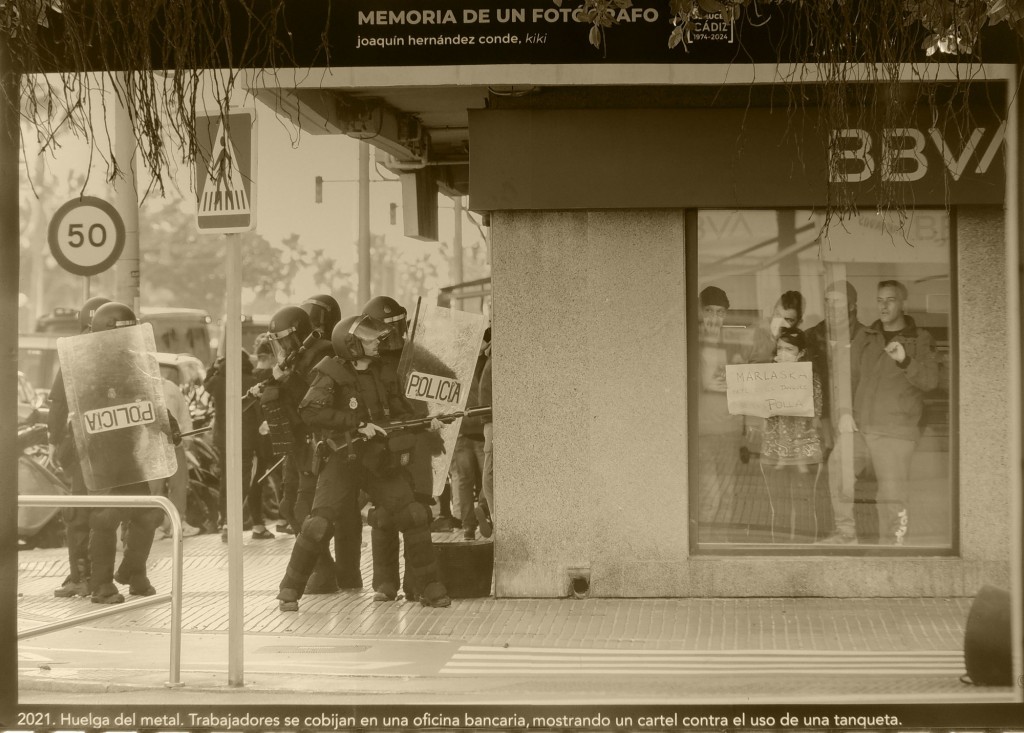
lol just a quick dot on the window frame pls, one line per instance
(696, 548)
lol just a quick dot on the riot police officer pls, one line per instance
(297, 349)
(324, 313)
(62, 449)
(103, 522)
(350, 402)
(384, 541)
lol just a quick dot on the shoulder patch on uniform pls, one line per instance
(332, 367)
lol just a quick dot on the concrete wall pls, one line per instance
(590, 399)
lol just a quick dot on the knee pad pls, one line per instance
(104, 518)
(149, 518)
(412, 515)
(317, 528)
(380, 518)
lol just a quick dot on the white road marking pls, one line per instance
(534, 660)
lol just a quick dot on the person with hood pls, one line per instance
(846, 482)
(216, 385)
(898, 366)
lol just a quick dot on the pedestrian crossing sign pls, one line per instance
(225, 181)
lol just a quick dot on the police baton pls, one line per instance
(197, 431)
(270, 470)
(422, 422)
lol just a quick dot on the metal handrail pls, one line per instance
(63, 500)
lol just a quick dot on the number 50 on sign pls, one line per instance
(86, 236)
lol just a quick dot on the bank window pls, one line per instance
(823, 405)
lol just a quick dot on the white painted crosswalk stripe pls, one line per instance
(498, 660)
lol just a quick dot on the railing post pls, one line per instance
(177, 559)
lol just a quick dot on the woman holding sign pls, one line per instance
(791, 455)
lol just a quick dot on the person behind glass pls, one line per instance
(63, 452)
(468, 456)
(351, 401)
(788, 312)
(833, 341)
(897, 366)
(791, 455)
(719, 431)
(252, 490)
(140, 524)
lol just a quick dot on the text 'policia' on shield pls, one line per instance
(432, 388)
(119, 416)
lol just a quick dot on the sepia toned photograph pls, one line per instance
(560, 364)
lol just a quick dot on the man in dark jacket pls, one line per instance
(898, 365)
(833, 342)
(252, 491)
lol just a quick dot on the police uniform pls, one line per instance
(76, 519)
(139, 524)
(384, 540)
(280, 404)
(340, 400)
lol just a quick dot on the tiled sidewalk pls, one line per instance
(915, 644)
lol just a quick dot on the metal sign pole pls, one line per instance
(226, 203)
(233, 457)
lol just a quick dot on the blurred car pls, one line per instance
(188, 372)
(31, 405)
(180, 330)
(252, 326)
(37, 359)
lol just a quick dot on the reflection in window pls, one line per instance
(823, 417)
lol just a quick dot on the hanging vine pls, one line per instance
(151, 54)
(849, 58)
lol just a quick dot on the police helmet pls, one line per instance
(388, 311)
(89, 310)
(324, 313)
(289, 327)
(113, 315)
(359, 337)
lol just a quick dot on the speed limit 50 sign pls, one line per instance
(86, 236)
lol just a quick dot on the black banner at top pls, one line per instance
(392, 33)
(457, 32)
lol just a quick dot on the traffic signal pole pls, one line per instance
(127, 201)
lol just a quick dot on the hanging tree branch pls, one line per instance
(851, 59)
(153, 55)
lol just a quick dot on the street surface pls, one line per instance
(344, 648)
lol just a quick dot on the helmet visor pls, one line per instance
(395, 339)
(372, 334)
(284, 342)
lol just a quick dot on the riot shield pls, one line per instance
(116, 407)
(436, 369)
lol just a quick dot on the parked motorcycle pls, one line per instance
(38, 526)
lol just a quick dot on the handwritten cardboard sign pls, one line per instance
(764, 390)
